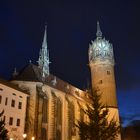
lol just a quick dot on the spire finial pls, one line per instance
(99, 32)
(15, 73)
(43, 61)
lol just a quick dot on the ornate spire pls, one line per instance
(43, 61)
(99, 32)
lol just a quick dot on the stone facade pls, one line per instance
(13, 102)
(52, 113)
(54, 106)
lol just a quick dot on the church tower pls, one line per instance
(101, 62)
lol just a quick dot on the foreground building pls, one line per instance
(13, 101)
(54, 106)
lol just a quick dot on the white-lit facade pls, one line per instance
(13, 102)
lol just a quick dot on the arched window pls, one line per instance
(57, 117)
(44, 118)
(71, 120)
(81, 114)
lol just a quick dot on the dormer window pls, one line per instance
(1, 89)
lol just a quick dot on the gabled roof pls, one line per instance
(11, 85)
(29, 73)
(32, 73)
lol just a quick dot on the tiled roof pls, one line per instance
(11, 85)
(32, 73)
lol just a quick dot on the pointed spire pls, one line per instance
(15, 73)
(43, 61)
(99, 32)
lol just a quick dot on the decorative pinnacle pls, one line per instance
(99, 32)
(43, 60)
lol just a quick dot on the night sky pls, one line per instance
(71, 27)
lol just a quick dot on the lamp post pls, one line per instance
(33, 138)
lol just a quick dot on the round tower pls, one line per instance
(101, 62)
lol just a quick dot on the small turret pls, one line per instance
(15, 73)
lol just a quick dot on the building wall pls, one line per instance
(9, 94)
(64, 130)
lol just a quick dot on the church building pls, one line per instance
(53, 105)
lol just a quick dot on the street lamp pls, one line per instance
(24, 136)
(33, 138)
(11, 138)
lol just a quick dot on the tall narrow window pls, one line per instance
(108, 72)
(81, 115)
(6, 101)
(18, 122)
(4, 118)
(0, 99)
(20, 105)
(59, 119)
(71, 120)
(13, 103)
(11, 121)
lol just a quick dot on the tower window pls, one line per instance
(19, 105)
(108, 72)
(101, 81)
(18, 122)
(10, 121)
(13, 103)
(6, 101)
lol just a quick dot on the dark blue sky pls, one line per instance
(71, 27)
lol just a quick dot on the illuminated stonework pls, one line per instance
(54, 106)
(43, 61)
(101, 61)
(100, 50)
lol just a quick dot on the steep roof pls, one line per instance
(11, 85)
(32, 73)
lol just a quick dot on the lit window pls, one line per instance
(18, 122)
(6, 101)
(0, 99)
(13, 103)
(10, 120)
(20, 105)
(108, 72)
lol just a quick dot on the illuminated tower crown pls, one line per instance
(100, 50)
(101, 61)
